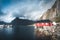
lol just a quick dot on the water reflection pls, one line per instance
(13, 32)
(8, 29)
(6, 32)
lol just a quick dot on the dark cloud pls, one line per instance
(27, 9)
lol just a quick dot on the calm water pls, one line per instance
(17, 33)
(20, 33)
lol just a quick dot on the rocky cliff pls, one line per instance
(53, 14)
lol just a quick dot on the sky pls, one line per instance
(24, 9)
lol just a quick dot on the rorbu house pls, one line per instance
(44, 25)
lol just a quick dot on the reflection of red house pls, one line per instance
(43, 23)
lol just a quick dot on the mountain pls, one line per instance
(53, 14)
(18, 21)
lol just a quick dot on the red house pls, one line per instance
(42, 23)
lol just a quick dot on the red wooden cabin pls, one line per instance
(42, 23)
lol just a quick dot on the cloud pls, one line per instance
(31, 10)
(7, 18)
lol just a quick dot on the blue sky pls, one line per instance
(25, 9)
